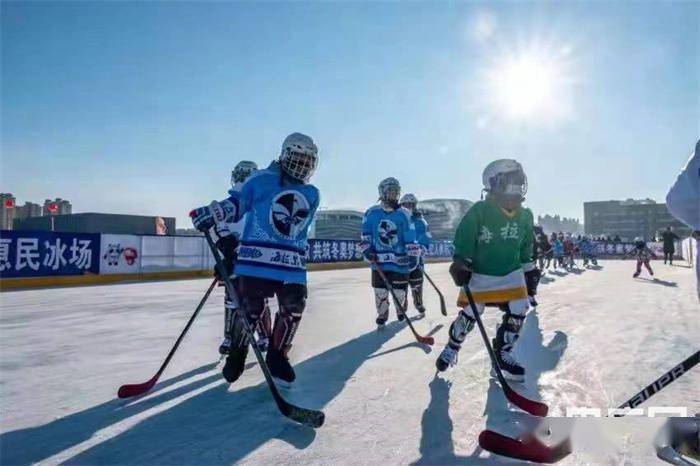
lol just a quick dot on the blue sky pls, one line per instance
(144, 108)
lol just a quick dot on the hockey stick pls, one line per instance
(529, 448)
(663, 381)
(533, 407)
(129, 390)
(443, 308)
(427, 340)
(308, 417)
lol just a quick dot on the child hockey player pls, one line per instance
(493, 256)
(558, 249)
(423, 238)
(543, 249)
(643, 254)
(587, 248)
(388, 239)
(569, 249)
(271, 256)
(228, 239)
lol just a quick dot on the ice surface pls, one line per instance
(598, 337)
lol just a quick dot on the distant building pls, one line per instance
(29, 209)
(555, 224)
(57, 207)
(99, 223)
(7, 210)
(337, 224)
(444, 215)
(628, 219)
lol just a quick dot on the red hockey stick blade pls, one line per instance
(426, 340)
(136, 389)
(533, 407)
(527, 449)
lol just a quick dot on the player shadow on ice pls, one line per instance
(437, 447)
(546, 279)
(33, 444)
(657, 281)
(221, 424)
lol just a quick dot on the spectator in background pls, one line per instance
(669, 238)
(683, 201)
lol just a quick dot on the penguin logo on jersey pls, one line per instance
(388, 233)
(289, 214)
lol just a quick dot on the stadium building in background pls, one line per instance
(443, 216)
(337, 224)
(630, 218)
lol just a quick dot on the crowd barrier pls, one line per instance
(689, 250)
(35, 255)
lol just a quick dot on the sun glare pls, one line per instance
(529, 86)
(524, 87)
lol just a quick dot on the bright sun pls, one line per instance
(528, 86)
(524, 86)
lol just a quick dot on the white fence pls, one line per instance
(144, 254)
(689, 250)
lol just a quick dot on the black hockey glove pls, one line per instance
(532, 279)
(227, 245)
(461, 271)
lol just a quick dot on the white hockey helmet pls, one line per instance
(299, 156)
(409, 201)
(505, 177)
(242, 170)
(389, 190)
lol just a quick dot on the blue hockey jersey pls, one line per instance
(558, 248)
(423, 238)
(587, 247)
(388, 233)
(278, 212)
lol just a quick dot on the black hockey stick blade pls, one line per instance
(663, 381)
(527, 449)
(136, 389)
(307, 417)
(533, 407)
(443, 308)
(426, 340)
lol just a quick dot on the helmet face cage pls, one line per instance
(298, 164)
(509, 185)
(389, 190)
(409, 205)
(409, 201)
(391, 193)
(242, 171)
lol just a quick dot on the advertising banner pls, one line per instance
(334, 250)
(120, 254)
(45, 253)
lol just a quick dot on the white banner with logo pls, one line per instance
(120, 254)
